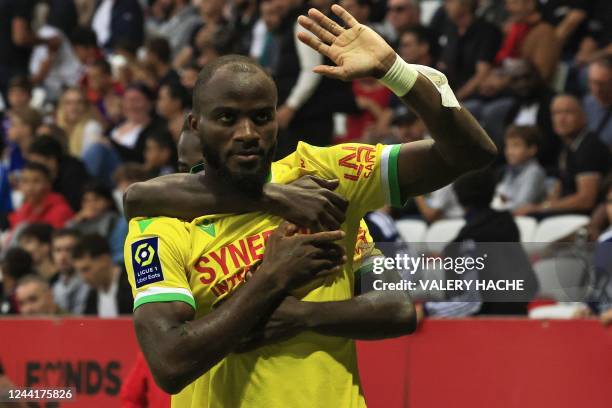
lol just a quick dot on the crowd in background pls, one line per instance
(93, 96)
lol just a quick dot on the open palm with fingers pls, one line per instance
(357, 50)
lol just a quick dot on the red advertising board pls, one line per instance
(448, 363)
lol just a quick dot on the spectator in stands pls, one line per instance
(40, 204)
(16, 40)
(19, 92)
(598, 103)
(360, 9)
(157, 59)
(528, 37)
(264, 47)
(484, 225)
(174, 20)
(129, 137)
(172, 101)
(36, 239)
(111, 294)
(524, 180)
(373, 99)
(85, 45)
(468, 56)
(79, 121)
(34, 297)
(62, 15)
(16, 263)
(418, 45)
(569, 18)
(209, 33)
(598, 41)
(160, 154)
(100, 216)
(530, 107)
(306, 101)
(103, 92)
(23, 124)
(583, 162)
(69, 291)
(126, 175)
(401, 15)
(114, 20)
(86, 138)
(189, 150)
(68, 174)
(406, 128)
(53, 69)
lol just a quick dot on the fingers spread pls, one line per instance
(314, 43)
(325, 22)
(348, 19)
(316, 29)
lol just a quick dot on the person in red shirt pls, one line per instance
(139, 389)
(40, 204)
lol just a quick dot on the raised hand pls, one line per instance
(357, 50)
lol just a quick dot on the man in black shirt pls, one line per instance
(583, 162)
(471, 46)
(15, 40)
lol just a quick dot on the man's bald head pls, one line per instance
(236, 64)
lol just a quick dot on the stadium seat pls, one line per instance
(555, 228)
(527, 227)
(413, 232)
(563, 279)
(442, 232)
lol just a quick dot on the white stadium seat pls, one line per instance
(554, 228)
(412, 232)
(442, 232)
(562, 278)
(527, 227)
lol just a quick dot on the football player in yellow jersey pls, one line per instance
(172, 264)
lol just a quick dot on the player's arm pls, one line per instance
(371, 315)
(459, 143)
(180, 348)
(308, 202)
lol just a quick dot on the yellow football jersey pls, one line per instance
(202, 262)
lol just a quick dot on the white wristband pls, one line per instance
(400, 77)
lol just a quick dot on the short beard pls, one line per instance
(250, 184)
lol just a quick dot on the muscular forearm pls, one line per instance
(371, 316)
(186, 196)
(461, 141)
(180, 353)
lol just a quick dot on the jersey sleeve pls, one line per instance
(367, 173)
(156, 254)
(365, 250)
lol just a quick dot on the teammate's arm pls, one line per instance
(179, 349)
(459, 143)
(308, 202)
(371, 315)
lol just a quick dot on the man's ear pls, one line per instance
(193, 121)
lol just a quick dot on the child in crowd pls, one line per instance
(524, 180)
(36, 239)
(20, 135)
(40, 204)
(99, 215)
(160, 154)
